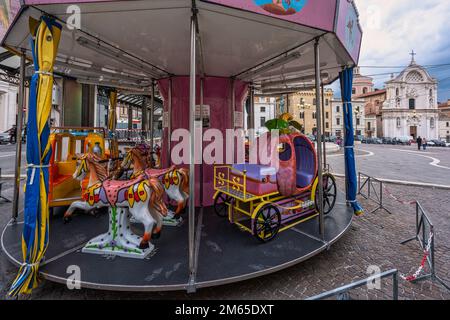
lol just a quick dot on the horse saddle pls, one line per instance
(156, 173)
(113, 188)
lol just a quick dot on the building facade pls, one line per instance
(302, 105)
(373, 103)
(411, 107)
(8, 105)
(359, 117)
(264, 111)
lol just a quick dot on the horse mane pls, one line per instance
(156, 198)
(184, 173)
(100, 168)
(143, 152)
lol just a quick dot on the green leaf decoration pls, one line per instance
(277, 124)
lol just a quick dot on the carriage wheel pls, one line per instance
(221, 204)
(329, 193)
(267, 223)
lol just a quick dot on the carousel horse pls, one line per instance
(175, 181)
(142, 196)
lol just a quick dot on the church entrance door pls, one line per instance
(413, 132)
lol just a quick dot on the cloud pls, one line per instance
(393, 28)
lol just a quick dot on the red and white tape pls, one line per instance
(419, 270)
(397, 199)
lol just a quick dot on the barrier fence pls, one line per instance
(425, 235)
(342, 292)
(371, 189)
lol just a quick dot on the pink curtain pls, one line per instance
(217, 95)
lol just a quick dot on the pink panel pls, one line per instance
(313, 13)
(348, 29)
(38, 2)
(216, 94)
(9, 10)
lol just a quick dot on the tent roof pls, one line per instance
(127, 43)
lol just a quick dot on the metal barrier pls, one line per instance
(374, 191)
(342, 292)
(425, 235)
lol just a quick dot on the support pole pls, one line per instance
(202, 82)
(319, 136)
(19, 127)
(233, 103)
(169, 125)
(144, 118)
(323, 126)
(251, 125)
(192, 94)
(152, 116)
(130, 120)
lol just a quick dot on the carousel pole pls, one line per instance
(202, 82)
(192, 96)
(130, 120)
(152, 115)
(252, 108)
(144, 117)
(319, 137)
(169, 124)
(323, 127)
(19, 127)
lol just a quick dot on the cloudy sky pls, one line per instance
(392, 28)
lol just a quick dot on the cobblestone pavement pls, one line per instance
(373, 240)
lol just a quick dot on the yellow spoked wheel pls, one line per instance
(329, 193)
(267, 223)
(221, 204)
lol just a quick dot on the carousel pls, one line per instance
(183, 222)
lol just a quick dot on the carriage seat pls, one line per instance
(256, 171)
(306, 163)
(261, 180)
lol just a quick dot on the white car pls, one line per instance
(4, 138)
(431, 144)
(447, 144)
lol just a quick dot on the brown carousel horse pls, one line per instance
(174, 180)
(142, 196)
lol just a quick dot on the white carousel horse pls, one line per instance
(175, 181)
(143, 197)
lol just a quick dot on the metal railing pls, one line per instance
(425, 235)
(342, 292)
(371, 189)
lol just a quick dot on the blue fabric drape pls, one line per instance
(346, 79)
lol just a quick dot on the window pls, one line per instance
(365, 90)
(398, 122)
(327, 115)
(263, 121)
(397, 92)
(314, 115)
(302, 101)
(431, 93)
(448, 124)
(338, 121)
(338, 109)
(314, 101)
(327, 102)
(327, 125)
(353, 91)
(302, 115)
(263, 109)
(412, 104)
(369, 126)
(358, 121)
(432, 122)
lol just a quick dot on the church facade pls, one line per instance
(411, 107)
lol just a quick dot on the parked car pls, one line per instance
(4, 138)
(359, 137)
(405, 141)
(387, 140)
(447, 144)
(377, 141)
(437, 143)
(365, 140)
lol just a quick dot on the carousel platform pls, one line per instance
(224, 253)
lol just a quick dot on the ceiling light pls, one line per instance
(120, 56)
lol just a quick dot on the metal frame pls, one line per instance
(319, 136)
(19, 126)
(423, 222)
(343, 291)
(372, 190)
